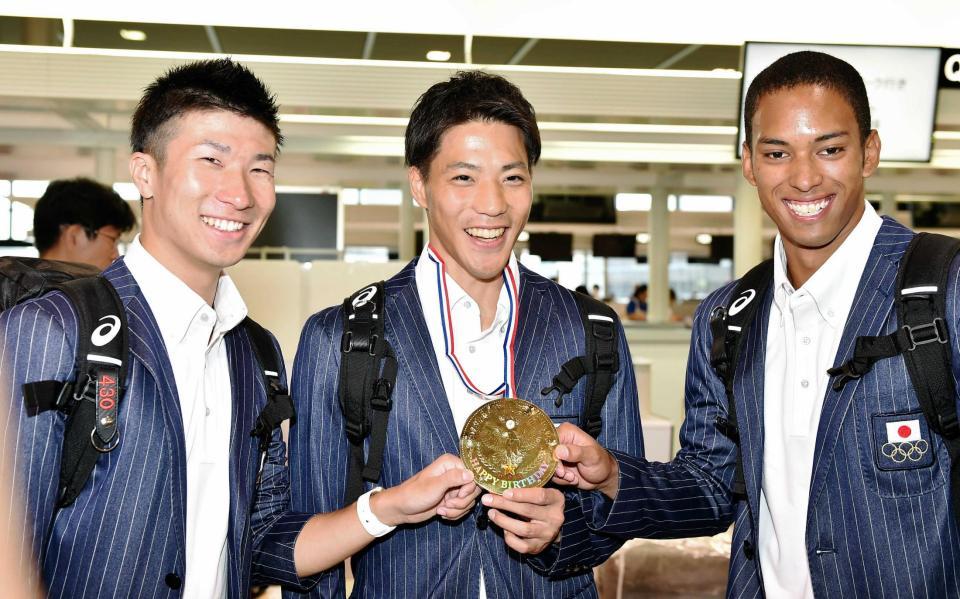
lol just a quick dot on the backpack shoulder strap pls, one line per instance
(923, 338)
(279, 406)
(921, 307)
(600, 362)
(727, 326)
(368, 372)
(92, 399)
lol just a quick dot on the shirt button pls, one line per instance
(804, 383)
(473, 349)
(467, 305)
(208, 411)
(830, 313)
(806, 340)
(204, 317)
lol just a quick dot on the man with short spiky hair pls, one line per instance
(185, 500)
(827, 463)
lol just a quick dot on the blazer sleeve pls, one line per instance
(35, 347)
(581, 546)
(690, 495)
(275, 527)
(318, 443)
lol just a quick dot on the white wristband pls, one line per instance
(368, 519)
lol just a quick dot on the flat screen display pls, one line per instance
(615, 246)
(301, 220)
(573, 208)
(901, 85)
(551, 247)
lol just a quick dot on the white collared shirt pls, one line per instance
(193, 333)
(803, 336)
(480, 352)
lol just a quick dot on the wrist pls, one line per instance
(611, 485)
(369, 519)
(383, 506)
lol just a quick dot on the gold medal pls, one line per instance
(508, 444)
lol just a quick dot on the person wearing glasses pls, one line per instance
(80, 220)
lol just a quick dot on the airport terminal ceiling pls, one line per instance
(617, 116)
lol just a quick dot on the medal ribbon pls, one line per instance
(508, 387)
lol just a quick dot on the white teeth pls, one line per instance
(222, 224)
(485, 233)
(808, 208)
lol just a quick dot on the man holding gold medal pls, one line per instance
(476, 337)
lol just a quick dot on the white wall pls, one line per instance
(282, 294)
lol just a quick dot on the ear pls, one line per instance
(871, 153)
(143, 171)
(73, 236)
(418, 187)
(747, 164)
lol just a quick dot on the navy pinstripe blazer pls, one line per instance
(874, 528)
(125, 533)
(439, 558)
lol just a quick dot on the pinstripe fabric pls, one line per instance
(438, 558)
(871, 532)
(125, 532)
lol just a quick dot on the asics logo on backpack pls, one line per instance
(741, 302)
(106, 332)
(364, 297)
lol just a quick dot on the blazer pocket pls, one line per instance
(901, 455)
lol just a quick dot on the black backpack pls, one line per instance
(922, 338)
(368, 373)
(91, 398)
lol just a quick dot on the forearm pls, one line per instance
(328, 539)
(655, 500)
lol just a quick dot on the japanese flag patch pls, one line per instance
(900, 431)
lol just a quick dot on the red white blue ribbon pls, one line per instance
(508, 387)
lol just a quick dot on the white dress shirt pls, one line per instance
(480, 352)
(803, 335)
(193, 333)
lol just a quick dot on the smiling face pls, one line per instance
(808, 164)
(207, 201)
(477, 195)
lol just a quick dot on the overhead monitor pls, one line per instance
(614, 246)
(573, 208)
(901, 85)
(551, 247)
(301, 220)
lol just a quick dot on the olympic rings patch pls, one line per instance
(906, 450)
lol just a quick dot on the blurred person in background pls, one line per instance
(80, 220)
(637, 306)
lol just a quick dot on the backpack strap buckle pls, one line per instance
(932, 332)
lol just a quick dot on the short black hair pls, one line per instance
(78, 202)
(219, 84)
(467, 96)
(809, 68)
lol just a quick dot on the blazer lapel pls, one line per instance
(533, 329)
(406, 326)
(244, 374)
(748, 394)
(147, 347)
(868, 316)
